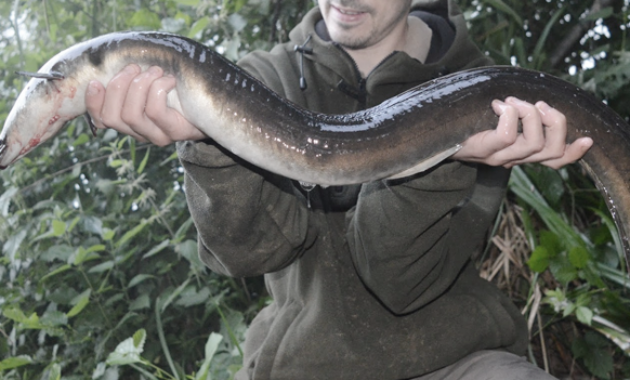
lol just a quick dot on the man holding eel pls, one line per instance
(371, 281)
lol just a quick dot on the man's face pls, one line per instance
(358, 24)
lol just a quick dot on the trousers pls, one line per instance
(489, 365)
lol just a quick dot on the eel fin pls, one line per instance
(53, 75)
(93, 128)
(427, 163)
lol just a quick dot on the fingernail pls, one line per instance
(542, 106)
(93, 88)
(514, 99)
(130, 69)
(500, 105)
(154, 70)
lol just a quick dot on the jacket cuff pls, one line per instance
(204, 153)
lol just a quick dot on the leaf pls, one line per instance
(579, 257)
(584, 314)
(551, 242)
(61, 269)
(539, 260)
(212, 344)
(602, 13)
(500, 5)
(144, 161)
(12, 244)
(14, 362)
(102, 267)
(54, 318)
(562, 270)
(138, 279)
(155, 250)
(129, 350)
(17, 315)
(145, 19)
(540, 44)
(198, 26)
(190, 3)
(57, 252)
(80, 301)
(82, 255)
(5, 200)
(142, 302)
(594, 350)
(82, 139)
(191, 297)
(131, 233)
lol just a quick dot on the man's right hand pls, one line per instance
(134, 103)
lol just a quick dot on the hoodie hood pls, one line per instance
(451, 48)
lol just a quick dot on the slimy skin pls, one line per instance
(404, 135)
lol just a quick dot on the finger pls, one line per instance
(572, 153)
(484, 146)
(532, 139)
(94, 98)
(555, 132)
(170, 121)
(133, 110)
(115, 98)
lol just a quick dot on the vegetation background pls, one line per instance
(99, 271)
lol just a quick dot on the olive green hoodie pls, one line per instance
(371, 281)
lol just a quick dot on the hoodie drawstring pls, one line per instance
(302, 49)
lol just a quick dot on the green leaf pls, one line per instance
(17, 315)
(539, 260)
(594, 350)
(157, 249)
(129, 350)
(102, 267)
(82, 255)
(14, 362)
(80, 301)
(131, 233)
(563, 270)
(579, 256)
(189, 3)
(584, 314)
(191, 297)
(212, 344)
(54, 318)
(145, 19)
(61, 269)
(198, 26)
(82, 139)
(13, 243)
(503, 7)
(142, 302)
(602, 13)
(144, 161)
(138, 279)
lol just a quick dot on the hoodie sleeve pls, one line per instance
(400, 236)
(249, 222)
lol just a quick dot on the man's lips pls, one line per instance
(346, 15)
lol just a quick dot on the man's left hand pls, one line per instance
(542, 140)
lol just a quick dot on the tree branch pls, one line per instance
(575, 34)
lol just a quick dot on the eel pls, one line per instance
(406, 134)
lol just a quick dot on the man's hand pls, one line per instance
(135, 104)
(543, 138)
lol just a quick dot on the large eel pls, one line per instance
(403, 135)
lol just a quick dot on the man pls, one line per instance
(372, 281)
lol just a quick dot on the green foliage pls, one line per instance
(575, 245)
